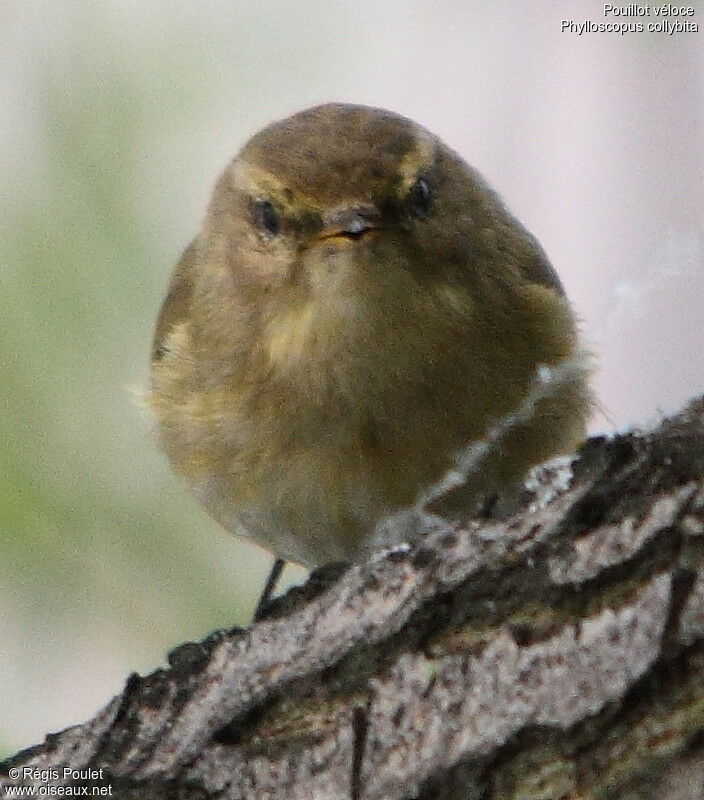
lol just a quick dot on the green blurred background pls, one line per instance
(115, 119)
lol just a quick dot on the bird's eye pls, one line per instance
(266, 218)
(419, 198)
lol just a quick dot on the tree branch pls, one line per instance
(551, 648)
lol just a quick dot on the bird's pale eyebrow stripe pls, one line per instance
(417, 159)
(253, 179)
(260, 183)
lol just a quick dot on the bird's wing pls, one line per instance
(175, 308)
(537, 267)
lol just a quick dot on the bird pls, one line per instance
(357, 309)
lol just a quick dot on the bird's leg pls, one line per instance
(360, 725)
(268, 590)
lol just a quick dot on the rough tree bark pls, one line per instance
(553, 648)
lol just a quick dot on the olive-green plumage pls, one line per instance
(357, 308)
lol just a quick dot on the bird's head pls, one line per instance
(345, 222)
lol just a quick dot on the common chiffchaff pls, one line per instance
(358, 307)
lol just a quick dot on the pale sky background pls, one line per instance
(115, 119)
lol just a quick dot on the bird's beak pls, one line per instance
(350, 223)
